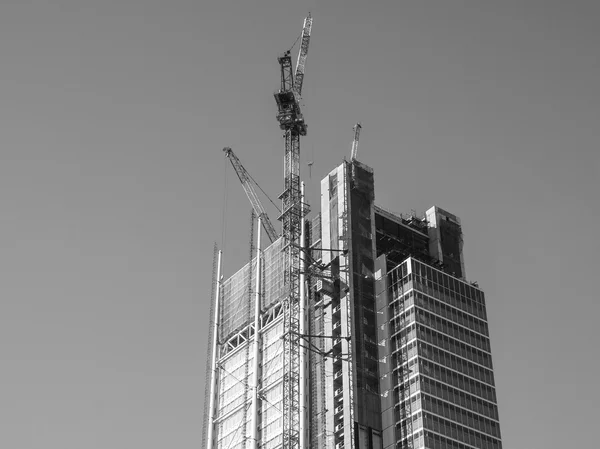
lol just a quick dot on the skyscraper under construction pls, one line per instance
(392, 340)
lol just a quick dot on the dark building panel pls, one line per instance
(399, 238)
(361, 194)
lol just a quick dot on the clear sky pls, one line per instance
(113, 115)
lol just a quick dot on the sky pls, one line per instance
(114, 188)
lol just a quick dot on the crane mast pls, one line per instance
(291, 122)
(245, 178)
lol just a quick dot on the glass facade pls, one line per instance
(234, 394)
(233, 420)
(434, 328)
(236, 307)
(398, 349)
(235, 399)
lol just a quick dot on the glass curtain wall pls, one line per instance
(440, 323)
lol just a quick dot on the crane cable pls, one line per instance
(292, 47)
(264, 193)
(224, 207)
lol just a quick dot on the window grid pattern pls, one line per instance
(273, 259)
(458, 397)
(448, 360)
(455, 404)
(231, 434)
(453, 431)
(453, 348)
(450, 290)
(234, 397)
(460, 416)
(232, 384)
(440, 320)
(271, 425)
(235, 313)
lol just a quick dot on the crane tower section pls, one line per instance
(291, 122)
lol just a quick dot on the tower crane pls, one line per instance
(245, 179)
(354, 152)
(291, 122)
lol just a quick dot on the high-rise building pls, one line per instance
(395, 348)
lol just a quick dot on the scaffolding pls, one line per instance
(248, 304)
(237, 336)
(348, 310)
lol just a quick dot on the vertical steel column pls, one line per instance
(291, 216)
(405, 371)
(302, 330)
(257, 341)
(346, 261)
(215, 354)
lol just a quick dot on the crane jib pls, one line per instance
(245, 179)
(299, 74)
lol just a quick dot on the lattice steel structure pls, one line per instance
(399, 346)
(395, 354)
(293, 210)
